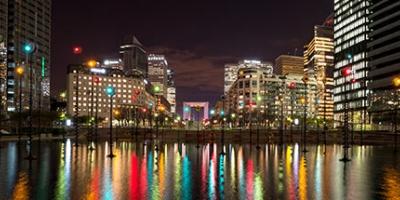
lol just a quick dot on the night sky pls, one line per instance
(198, 37)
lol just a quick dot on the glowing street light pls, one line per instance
(212, 112)
(110, 91)
(396, 82)
(157, 89)
(186, 109)
(77, 50)
(91, 63)
(346, 72)
(28, 48)
(19, 70)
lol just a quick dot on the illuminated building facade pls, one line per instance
(351, 37)
(384, 60)
(319, 64)
(113, 63)
(257, 92)
(171, 89)
(231, 70)
(133, 56)
(384, 46)
(131, 91)
(3, 52)
(29, 22)
(158, 73)
(286, 64)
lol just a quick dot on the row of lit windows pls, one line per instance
(351, 39)
(349, 23)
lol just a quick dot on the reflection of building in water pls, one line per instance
(391, 183)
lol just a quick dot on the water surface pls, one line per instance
(183, 171)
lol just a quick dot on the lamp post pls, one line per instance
(28, 49)
(110, 90)
(91, 64)
(96, 122)
(352, 82)
(77, 51)
(396, 84)
(259, 99)
(305, 81)
(197, 108)
(325, 128)
(292, 86)
(345, 72)
(281, 125)
(223, 124)
(20, 72)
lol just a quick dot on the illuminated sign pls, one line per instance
(252, 61)
(111, 62)
(98, 70)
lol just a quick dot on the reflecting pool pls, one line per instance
(185, 171)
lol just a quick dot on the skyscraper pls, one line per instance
(133, 56)
(351, 38)
(286, 64)
(384, 45)
(3, 52)
(384, 59)
(29, 22)
(157, 73)
(171, 89)
(231, 70)
(319, 63)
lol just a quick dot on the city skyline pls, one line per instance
(185, 44)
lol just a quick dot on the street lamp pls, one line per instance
(281, 126)
(259, 99)
(223, 124)
(110, 91)
(77, 50)
(292, 87)
(346, 72)
(305, 81)
(396, 84)
(91, 64)
(20, 72)
(28, 49)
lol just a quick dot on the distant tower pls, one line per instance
(133, 56)
(29, 22)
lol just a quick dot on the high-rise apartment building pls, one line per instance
(351, 37)
(133, 56)
(3, 52)
(158, 73)
(286, 64)
(231, 70)
(384, 45)
(29, 22)
(319, 64)
(384, 59)
(171, 89)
